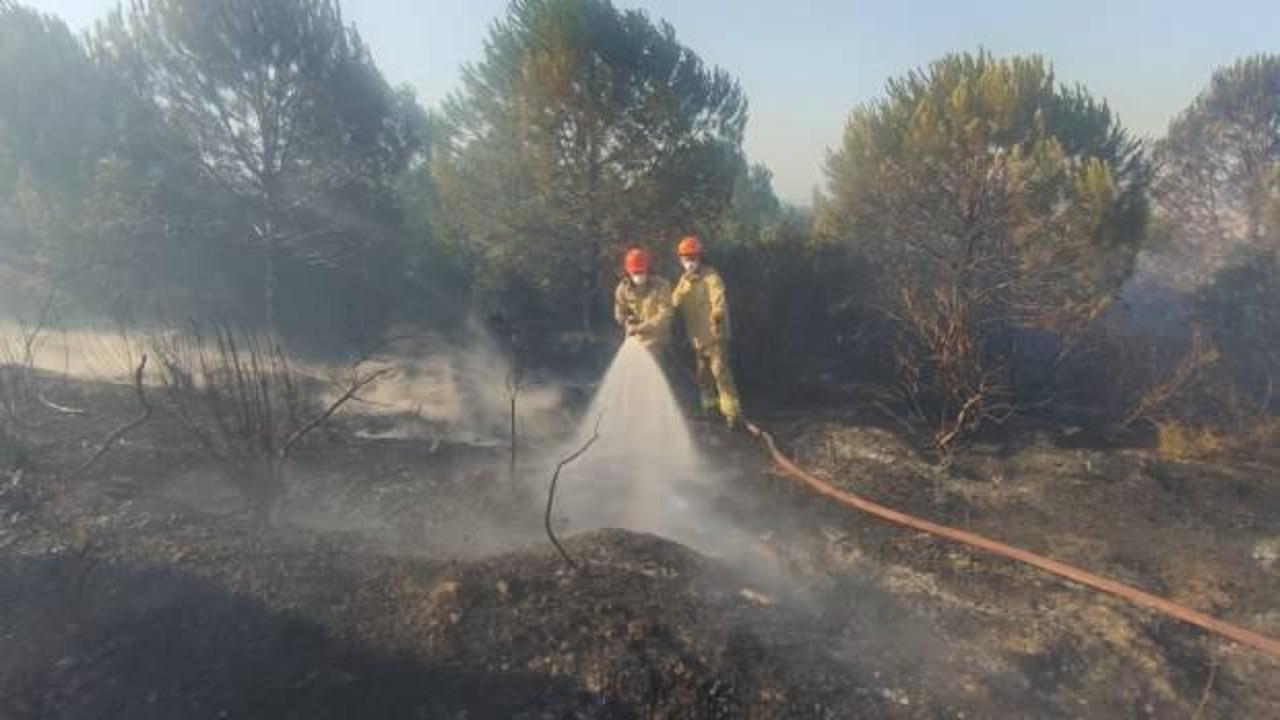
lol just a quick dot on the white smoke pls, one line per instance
(465, 386)
(456, 390)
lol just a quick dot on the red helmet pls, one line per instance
(637, 261)
(689, 247)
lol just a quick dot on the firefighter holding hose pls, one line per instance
(700, 298)
(642, 304)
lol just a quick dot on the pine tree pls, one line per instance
(52, 132)
(1219, 180)
(584, 128)
(285, 112)
(1218, 194)
(995, 202)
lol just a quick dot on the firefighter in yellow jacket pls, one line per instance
(699, 296)
(642, 304)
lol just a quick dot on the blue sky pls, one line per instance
(805, 64)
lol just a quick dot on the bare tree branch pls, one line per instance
(114, 437)
(60, 409)
(357, 384)
(551, 494)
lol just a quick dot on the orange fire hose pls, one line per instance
(1241, 635)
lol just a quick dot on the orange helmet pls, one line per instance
(689, 247)
(637, 261)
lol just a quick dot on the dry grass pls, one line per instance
(1179, 441)
(243, 401)
(1261, 435)
(19, 383)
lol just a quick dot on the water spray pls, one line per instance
(642, 456)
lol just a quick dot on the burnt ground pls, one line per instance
(407, 578)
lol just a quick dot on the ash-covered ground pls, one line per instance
(408, 577)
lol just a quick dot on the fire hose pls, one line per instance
(1244, 636)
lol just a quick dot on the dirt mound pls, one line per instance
(646, 625)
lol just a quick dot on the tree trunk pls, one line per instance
(515, 392)
(269, 249)
(593, 221)
(1011, 349)
(587, 298)
(270, 239)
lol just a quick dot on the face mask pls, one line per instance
(639, 279)
(689, 264)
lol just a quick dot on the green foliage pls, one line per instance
(754, 211)
(1241, 309)
(229, 156)
(992, 201)
(1234, 128)
(283, 110)
(52, 131)
(977, 162)
(1219, 179)
(137, 167)
(1218, 193)
(49, 120)
(441, 267)
(785, 290)
(584, 129)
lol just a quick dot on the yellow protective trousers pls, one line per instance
(715, 381)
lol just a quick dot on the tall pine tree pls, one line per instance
(280, 103)
(998, 202)
(1219, 181)
(583, 129)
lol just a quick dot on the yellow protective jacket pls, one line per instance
(650, 306)
(699, 296)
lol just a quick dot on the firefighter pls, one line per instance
(642, 304)
(700, 298)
